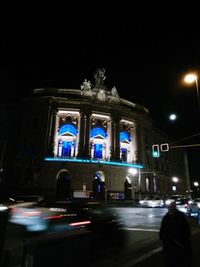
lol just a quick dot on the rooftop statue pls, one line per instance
(86, 86)
(100, 76)
(114, 92)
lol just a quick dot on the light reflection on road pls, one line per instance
(147, 218)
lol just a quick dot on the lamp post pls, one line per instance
(133, 172)
(196, 185)
(175, 181)
(191, 78)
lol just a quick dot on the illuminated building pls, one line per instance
(83, 142)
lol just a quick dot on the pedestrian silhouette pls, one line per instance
(175, 234)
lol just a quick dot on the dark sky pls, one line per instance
(144, 49)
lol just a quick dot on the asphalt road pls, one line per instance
(142, 246)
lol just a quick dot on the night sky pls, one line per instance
(145, 50)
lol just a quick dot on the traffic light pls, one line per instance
(155, 151)
(164, 147)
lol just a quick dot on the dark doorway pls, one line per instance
(63, 187)
(99, 186)
(127, 190)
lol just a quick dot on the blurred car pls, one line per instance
(182, 204)
(155, 201)
(54, 216)
(22, 201)
(3, 207)
(171, 199)
(197, 201)
(193, 209)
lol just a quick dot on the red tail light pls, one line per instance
(79, 223)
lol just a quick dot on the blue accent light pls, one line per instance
(98, 131)
(66, 148)
(98, 151)
(96, 162)
(124, 136)
(68, 128)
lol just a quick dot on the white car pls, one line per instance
(171, 199)
(197, 201)
(152, 202)
(193, 208)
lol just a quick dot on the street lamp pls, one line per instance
(175, 180)
(191, 78)
(196, 185)
(133, 172)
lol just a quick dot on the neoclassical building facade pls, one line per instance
(89, 142)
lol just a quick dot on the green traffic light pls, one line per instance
(155, 151)
(155, 154)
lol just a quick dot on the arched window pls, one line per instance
(67, 140)
(97, 137)
(98, 132)
(68, 129)
(124, 143)
(125, 137)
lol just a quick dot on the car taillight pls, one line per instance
(80, 223)
(22, 213)
(32, 213)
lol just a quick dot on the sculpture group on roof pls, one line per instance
(99, 90)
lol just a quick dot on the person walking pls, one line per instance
(175, 234)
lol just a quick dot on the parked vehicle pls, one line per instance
(182, 204)
(171, 199)
(193, 209)
(197, 201)
(155, 201)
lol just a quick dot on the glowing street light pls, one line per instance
(133, 172)
(172, 117)
(175, 179)
(193, 78)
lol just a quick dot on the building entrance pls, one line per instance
(63, 186)
(99, 186)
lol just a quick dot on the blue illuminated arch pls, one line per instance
(68, 128)
(97, 131)
(124, 136)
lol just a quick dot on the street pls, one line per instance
(141, 226)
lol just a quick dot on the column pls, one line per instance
(137, 143)
(52, 129)
(56, 133)
(81, 135)
(87, 135)
(112, 138)
(115, 140)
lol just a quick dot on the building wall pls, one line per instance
(39, 121)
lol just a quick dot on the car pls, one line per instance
(155, 201)
(56, 216)
(46, 215)
(193, 208)
(182, 204)
(171, 199)
(49, 215)
(197, 201)
(22, 201)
